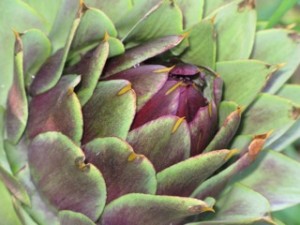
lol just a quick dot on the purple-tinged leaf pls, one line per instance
(123, 170)
(57, 110)
(63, 178)
(238, 206)
(184, 177)
(140, 53)
(136, 209)
(72, 218)
(161, 104)
(269, 112)
(226, 132)
(17, 106)
(275, 176)
(90, 68)
(50, 73)
(162, 141)
(216, 184)
(110, 111)
(146, 82)
(203, 127)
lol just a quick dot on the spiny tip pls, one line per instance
(232, 153)
(177, 124)
(125, 89)
(186, 34)
(132, 157)
(164, 70)
(106, 37)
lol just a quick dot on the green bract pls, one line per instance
(145, 112)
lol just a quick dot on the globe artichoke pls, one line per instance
(146, 113)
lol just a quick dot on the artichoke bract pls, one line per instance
(157, 112)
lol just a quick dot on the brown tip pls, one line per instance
(294, 36)
(258, 143)
(246, 4)
(295, 113)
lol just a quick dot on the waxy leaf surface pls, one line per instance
(109, 113)
(123, 170)
(136, 209)
(157, 141)
(63, 178)
(57, 110)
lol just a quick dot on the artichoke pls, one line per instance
(142, 112)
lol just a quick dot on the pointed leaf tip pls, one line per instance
(257, 144)
(125, 89)
(177, 124)
(232, 153)
(164, 70)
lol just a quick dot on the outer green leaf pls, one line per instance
(275, 176)
(287, 46)
(184, 177)
(57, 110)
(235, 27)
(26, 17)
(73, 218)
(269, 112)
(7, 211)
(47, 12)
(213, 186)
(37, 49)
(136, 209)
(74, 185)
(17, 106)
(114, 9)
(243, 80)
(240, 206)
(291, 92)
(64, 24)
(153, 26)
(211, 6)
(14, 186)
(140, 53)
(123, 170)
(201, 53)
(92, 28)
(192, 11)
(101, 119)
(137, 12)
